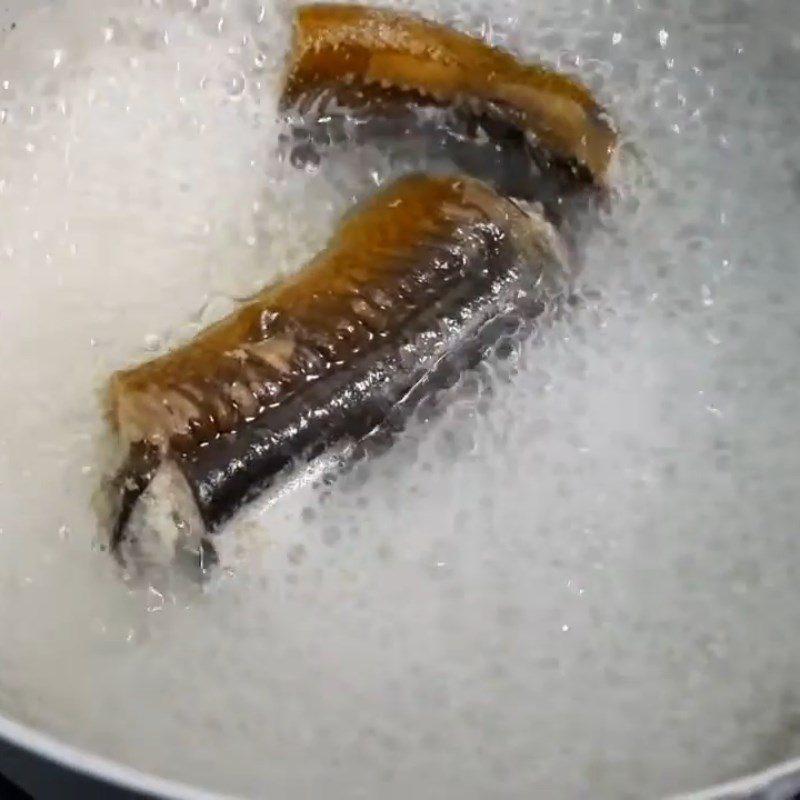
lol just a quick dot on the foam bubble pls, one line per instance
(581, 574)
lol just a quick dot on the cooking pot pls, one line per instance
(48, 767)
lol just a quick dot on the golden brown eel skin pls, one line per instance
(384, 63)
(415, 284)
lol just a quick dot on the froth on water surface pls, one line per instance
(581, 574)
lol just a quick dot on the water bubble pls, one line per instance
(628, 476)
(296, 554)
(306, 156)
(260, 59)
(331, 534)
(156, 600)
(153, 342)
(235, 85)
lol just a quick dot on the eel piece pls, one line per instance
(401, 76)
(413, 288)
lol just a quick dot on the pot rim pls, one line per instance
(111, 771)
(101, 768)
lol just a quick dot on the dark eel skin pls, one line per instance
(413, 288)
(362, 74)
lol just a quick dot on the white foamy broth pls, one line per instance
(582, 576)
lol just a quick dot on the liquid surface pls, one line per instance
(581, 576)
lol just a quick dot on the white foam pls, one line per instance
(581, 577)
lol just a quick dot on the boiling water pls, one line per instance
(580, 579)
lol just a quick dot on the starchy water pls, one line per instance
(579, 578)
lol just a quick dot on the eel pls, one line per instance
(416, 285)
(371, 75)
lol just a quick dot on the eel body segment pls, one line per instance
(517, 125)
(414, 286)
